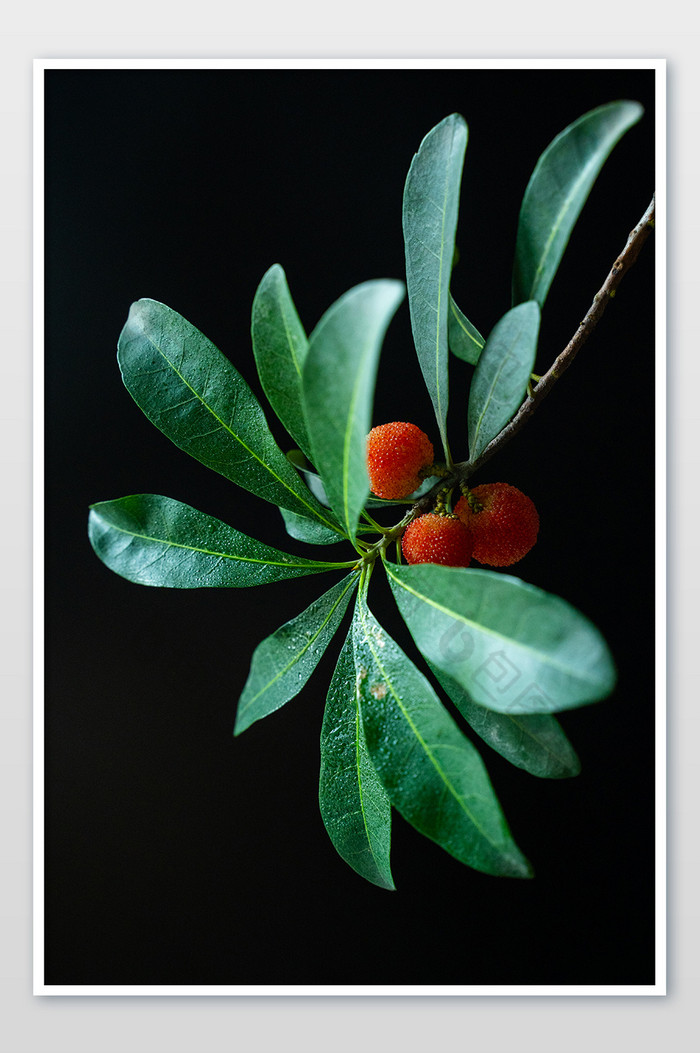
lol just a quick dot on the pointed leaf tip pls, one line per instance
(557, 191)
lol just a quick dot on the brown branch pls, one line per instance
(622, 264)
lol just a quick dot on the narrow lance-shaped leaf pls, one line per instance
(155, 540)
(433, 775)
(465, 340)
(193, 394)
(557, 191)
(513, 647)
(280, 347)
(501, 375)
(534, 742)
(283, 662)
(430, 210)
(339, 379)
(354, 805)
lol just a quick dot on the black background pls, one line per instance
(174, 853)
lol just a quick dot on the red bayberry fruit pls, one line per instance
(434, 538)
(503, 521)
(396, 454)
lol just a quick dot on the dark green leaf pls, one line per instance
(432, 773)
(339, 378)
(534, 742)
(557, 191)
(354, 805)
(283, 662)
(501, 375)
(464, 339)
(154, 540)
(280, 347)
(189, 390)
(430, 209)
(514, 648)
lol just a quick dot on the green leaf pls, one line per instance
(501, 375)
(354, 805)
(534, 742)
(338, 381)
(557, 191)
(154, 540)
(464, 339)
(193, 394)
(513, 647)
(309, 530)
(280, 347)
(283, 662)
(430, 209)
(433, 775)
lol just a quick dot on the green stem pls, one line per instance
(375, 526)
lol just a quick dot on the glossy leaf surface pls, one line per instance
(193, 394)
(534, 742)
(557, 191)
(153, 540)
(513, 647)
(338, 381)
(430, 210)
(283, 662)
(501, 375)
(464, 339)
(280, 347)
(433, 775)
(354, 805)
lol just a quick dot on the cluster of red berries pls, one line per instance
(495, 523)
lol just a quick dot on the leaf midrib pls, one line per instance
(438, 389)
(469, 335)
(346, 447)
(208, 552)
(542, 745)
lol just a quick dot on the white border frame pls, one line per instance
(39, 987)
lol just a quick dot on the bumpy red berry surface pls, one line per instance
(436, 538)
(505, 529)
(396, 453)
